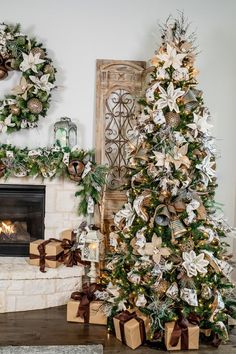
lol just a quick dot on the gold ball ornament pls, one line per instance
(215, 242)
(202, 243)
(35, 106)
(38, 50)
(3, 73)
(48, 69)
(172, 119)
(15, 110)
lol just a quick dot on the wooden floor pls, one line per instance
(49, 327)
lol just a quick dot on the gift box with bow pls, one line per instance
(47, 253)
(131, 328)
(84, 308)
(181, 335)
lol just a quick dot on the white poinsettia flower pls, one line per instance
(181, 74)
(171, 58)
(200, 124)
(206, 168)
(42, 83)
(127, 214)
(194, 264)
(6, 123)
(30, 61)
(162, 160)
(168, 98)
(179, 157)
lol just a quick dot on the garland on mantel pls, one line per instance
(76, 164)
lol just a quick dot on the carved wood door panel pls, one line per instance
(119, 85)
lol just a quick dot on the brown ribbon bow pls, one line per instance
(72, 255)
(180, 331)
(126, 316)
(43, 256)
(5, 65)
(85, 297)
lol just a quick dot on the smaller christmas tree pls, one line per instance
(169, 256)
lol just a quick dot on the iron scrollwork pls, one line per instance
(119, 121)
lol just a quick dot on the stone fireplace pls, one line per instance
(33, 209)
(22, 213)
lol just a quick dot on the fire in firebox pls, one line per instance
(13, 231)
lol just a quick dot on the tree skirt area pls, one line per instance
(53, 349)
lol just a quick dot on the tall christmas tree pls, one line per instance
(169, 256)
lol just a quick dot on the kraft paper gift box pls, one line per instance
(192, 337)
(68, 235)
(96, 315)
(131, 328)
(53, 254)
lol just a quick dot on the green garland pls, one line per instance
(22, 107)
(54, 162)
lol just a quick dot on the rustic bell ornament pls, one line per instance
(162, 220)
(172, 119)
(177, 229)
(35, 106)
(3, 72)
(38, 50)
(190, 101)
(75, 169)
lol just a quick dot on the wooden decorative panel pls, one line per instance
(119, 85)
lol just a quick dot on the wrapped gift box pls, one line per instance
(131, 328)
(53, 253)
(96, 315)
(68, 235)
(192, 337)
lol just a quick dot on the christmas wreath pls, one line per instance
(30, 99)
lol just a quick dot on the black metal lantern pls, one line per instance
(65, 132)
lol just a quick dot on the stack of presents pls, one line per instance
(130, 327)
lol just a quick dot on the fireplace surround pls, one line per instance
(22, 213)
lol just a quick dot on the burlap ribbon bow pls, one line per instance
(42, 256)
(126, 316)
(86, 296)
(72, 254)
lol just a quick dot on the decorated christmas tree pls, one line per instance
(168, 248)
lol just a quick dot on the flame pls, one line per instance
(7, 228)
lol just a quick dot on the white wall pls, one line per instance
(77, 32)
